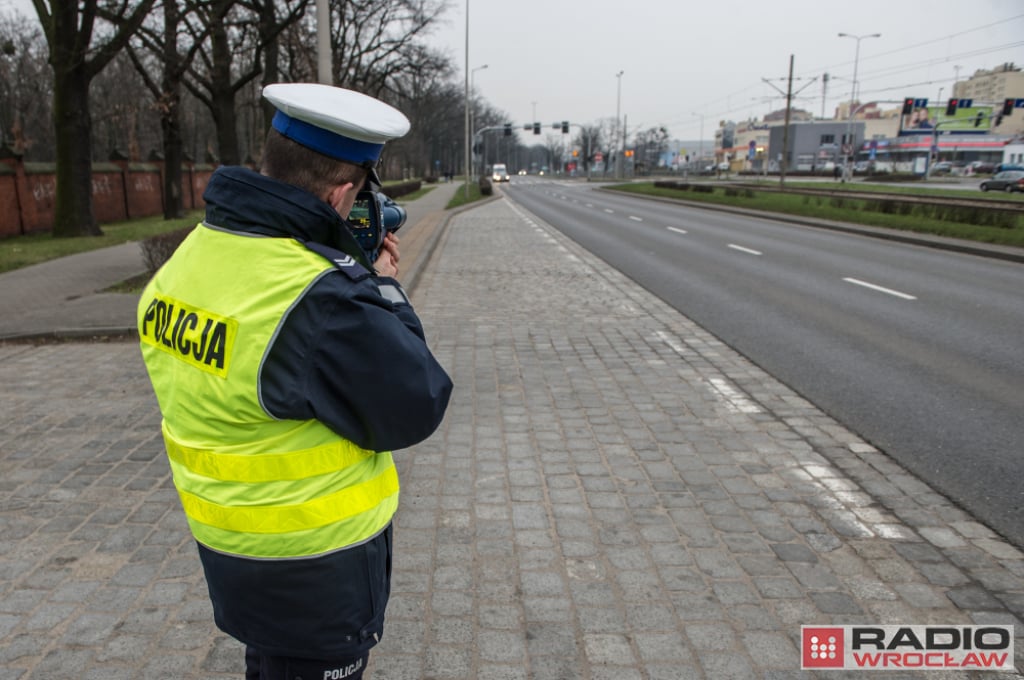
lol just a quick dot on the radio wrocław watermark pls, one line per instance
(914, 647)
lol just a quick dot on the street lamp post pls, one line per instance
(472, 106)
(618, 105)
(468, 138)
(847, 170)
(700, 142)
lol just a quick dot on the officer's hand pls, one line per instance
(390, 244)
(386, 264)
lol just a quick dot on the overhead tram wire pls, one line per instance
(928, 63)
(894, 70)
(920, 44)
(915, 46)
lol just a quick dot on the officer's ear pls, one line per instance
(341, 197)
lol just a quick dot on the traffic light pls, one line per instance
(908, 106)
(951, 106)
(508, 129)
(536, 128)
(1007, 107)
(978, 118)
(575, 153)
(565, 127)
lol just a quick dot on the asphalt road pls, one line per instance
(919, 351)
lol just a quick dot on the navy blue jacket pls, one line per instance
(351, 353)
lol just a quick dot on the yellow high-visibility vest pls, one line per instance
(250, 484)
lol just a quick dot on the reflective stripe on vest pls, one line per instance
(250, 484)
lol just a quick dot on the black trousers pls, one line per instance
(261, 667)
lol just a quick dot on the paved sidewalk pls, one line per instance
(613, 494)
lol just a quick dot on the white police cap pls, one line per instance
(342, 124)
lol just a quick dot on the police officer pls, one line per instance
(287, 367)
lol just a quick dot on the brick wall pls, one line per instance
(120, 191)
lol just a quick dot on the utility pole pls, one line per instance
(323, 43)
(788, 94)
(785, 131)
(618, 106)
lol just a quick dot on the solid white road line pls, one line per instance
(880, 289)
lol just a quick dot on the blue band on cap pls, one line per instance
(326, 142)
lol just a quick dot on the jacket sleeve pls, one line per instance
(357, 362)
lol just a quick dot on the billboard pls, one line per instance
(922, 120)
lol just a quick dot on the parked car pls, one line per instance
(1008, 181)
(1003, 167)
(942, 168)
(981, 167)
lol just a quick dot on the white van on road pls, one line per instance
(499, 173)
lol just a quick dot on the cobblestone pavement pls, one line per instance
(613, 494)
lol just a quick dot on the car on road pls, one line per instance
(499, 173)
(1008, 181)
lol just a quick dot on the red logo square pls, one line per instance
(822, 647)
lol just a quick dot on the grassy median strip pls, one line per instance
(974, 224)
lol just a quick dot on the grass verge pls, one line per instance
(963, 224)
(22, 251)
(460, 198)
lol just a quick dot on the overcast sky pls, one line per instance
(684, 57)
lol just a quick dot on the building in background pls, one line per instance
(994, 86)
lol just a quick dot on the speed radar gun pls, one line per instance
(373, 216)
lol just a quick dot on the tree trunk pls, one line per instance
(170, 122)
(223, 97)
(170, 115)
(73, 214)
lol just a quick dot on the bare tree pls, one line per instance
(555, 144)
(650, 144)
(378, 48)
(162, 57)
(122, 121)
(426, 95)
(373, 42)
(234, 36)
(590, 141)
(26, 90)
(77, 57)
